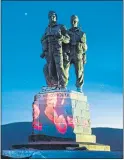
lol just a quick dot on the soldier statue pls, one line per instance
(52, 41)
(76, 51)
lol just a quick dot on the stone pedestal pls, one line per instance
(81, 117)
(64, 110)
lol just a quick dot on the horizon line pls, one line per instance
(91, 127)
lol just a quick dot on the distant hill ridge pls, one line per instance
(17, 133)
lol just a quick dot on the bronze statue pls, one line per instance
(76, 50)
(52, 41)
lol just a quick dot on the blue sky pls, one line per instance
(23, 24)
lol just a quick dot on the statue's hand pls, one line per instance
(58, 34)
(66, 57)
(42, 55)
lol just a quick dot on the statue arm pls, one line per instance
(84, 58)
(83, 41)
(44, 45)
(84, 45)
(65, 37)
(43, 38)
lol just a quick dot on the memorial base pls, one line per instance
(59, 145)
(85, 138)
(95, 146)
(69, 113)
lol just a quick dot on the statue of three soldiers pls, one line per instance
(61, 48)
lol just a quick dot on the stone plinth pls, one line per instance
(64, 109)
(95, 147)
(64, 113)
(85, 138)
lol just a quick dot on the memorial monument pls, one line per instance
(64, 108)
(61, 117)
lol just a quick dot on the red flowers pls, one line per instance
(37, 125)
(36, 112)
(56, 115)
(55, 110)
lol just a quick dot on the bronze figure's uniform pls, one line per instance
(55, 35)
(75, 53)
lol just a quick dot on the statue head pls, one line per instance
(52, 17)
(74, 20)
